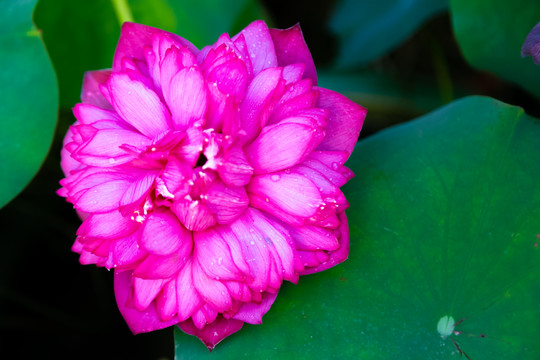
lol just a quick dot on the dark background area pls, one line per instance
(53, 307)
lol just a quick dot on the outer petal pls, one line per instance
(338, 256)
(135, 37)
(252, 313)
(138, 321)
(291, 48)
(91, 93)
(259, 45)
(282, 146)
(138, 105)
(212, 333)
(344, 122)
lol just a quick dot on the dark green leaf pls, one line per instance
(29, 102)
(370, 29)
(444, 222)
(491, 33)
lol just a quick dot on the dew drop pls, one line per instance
(335, 166)
(275, 177)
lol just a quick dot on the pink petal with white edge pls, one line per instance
(339, 255)
(91, 93)
(163, 234)
(138, 321)
(186, 97)
(293, 193)
(259, 45)
(135, 37)
(252, 313)
(291, 48)
(344, 122)
(282, 146)
(138, 105)
(213, 333)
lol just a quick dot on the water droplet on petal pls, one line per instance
(275, 177)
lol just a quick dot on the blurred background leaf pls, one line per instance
(82, 35)
(368, 30)
(29, 102)
(444, 222)
(490, 34)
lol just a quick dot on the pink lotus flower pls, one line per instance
(206, 178)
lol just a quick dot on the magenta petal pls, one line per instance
(310, 238)
(186, 97)
(88, 114)
(102, 198)
(234, 168)
(135, 37)
(214, 256)
(259, 45)
(138, 321)
(212, 291)
(138, 105)
(212, 333)
(194, 215)
(292, 192)
(105, 147)
(282, 146)
(111, 225)
(258, 96)
(339, 255)
(226, 202)
(145, 291)
(252, 313)
(188, 298)
(91, 93)
(291, 48)
(254, 249)
(344, 122)
(166, 302)
(160, 267)
(163, 234)
(280, 244)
